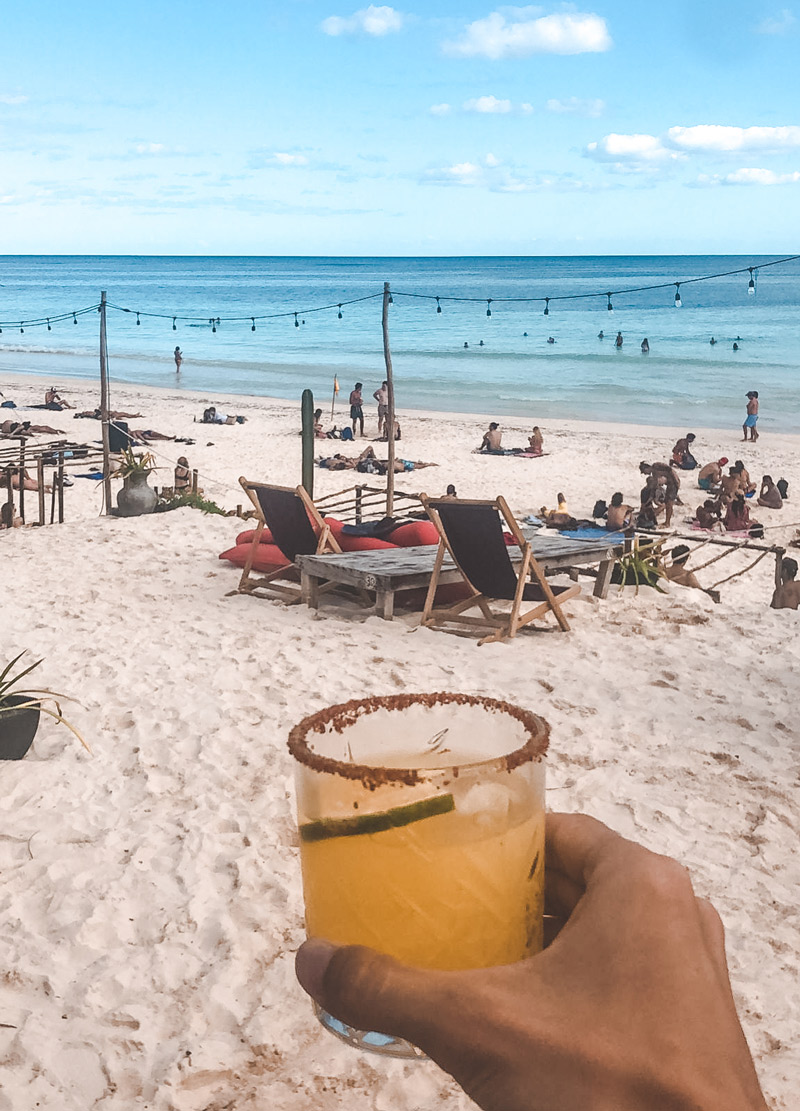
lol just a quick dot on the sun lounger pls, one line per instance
(472, 533)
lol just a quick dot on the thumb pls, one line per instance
(370, 991)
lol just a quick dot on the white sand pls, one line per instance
(150, 900)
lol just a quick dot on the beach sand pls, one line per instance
(150, 892)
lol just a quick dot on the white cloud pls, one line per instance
(284, 159)
(491, 174)
(373, 20)
(632, 152)
(152, 148)
(716, 138)
(487, 104)
(526, 109)
(750, 176)
(780, 24)
(577, 106)
(7, 98)
(563, 33)
(439, 109)
(491, 160)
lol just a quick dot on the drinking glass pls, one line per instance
(421, 822)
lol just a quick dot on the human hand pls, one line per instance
(629, 1009)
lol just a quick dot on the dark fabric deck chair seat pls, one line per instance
(472, 532)
(297, 528)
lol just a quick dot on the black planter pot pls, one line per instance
(17, 727)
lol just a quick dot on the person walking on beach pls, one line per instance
(356, 407)
(178, 356)
(752, 416)
(618, 341)
(382, 397)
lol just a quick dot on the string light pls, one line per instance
(438, 306)
(252, 324)
(609, 306)
(297, 322)
(751, 285)
(391, 299)
(213, 325)
(340, 312)
(678, 301)
(547, 306)
(48, 325)
(489, 307)
(74, 319)
(174, 325)
(21, 330)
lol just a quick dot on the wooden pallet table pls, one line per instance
(389, 571)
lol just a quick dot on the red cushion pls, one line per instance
(414, 533)
(269, 556)
(247, 536)
(362, 543)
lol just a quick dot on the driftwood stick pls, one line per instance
(743, 571)
(61, 487)
(40, 484)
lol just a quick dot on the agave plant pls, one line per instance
(32, 697)
(131, 463)
(641, 567)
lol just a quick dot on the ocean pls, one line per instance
(508, 367)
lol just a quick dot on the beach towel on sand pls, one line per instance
(592, 532)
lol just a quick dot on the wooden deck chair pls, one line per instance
(472, 532)
(297, 528)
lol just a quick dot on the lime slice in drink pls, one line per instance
(325, 828)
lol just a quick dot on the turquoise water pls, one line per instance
(683, 381)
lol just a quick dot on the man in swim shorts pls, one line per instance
(710, 475)
(752, 416)
(356, 409)
(787, 595)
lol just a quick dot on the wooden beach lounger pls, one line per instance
(297, 529)
(472, 533)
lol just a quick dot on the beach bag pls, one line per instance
(600, 509)
(347, 434)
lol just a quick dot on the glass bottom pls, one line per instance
(370, 1040)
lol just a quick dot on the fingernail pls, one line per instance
(310, 965)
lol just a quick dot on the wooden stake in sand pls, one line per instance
(104, 404)
(387, 358)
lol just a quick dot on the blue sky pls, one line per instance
(308, 127)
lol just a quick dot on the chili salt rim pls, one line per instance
(346, 714)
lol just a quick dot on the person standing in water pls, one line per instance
(618, 341)
(178, 356)
(645, 346)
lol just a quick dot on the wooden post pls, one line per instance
(359, 496)
(10, 488)
(53, 497)
(22, 480)
(40, 484)
(387, 358)
(779, 554)
(307, 411)
(61, 487)
(194, 480)
(335, 391)
(104, 404)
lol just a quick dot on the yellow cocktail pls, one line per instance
(421, 824)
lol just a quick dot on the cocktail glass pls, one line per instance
(421, 820)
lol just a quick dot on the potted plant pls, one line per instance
(20, 709)
(135, 497)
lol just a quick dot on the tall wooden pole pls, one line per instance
(387, 358)
(104, 404)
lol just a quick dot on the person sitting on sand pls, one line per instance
(682, 455)
(677, 572)
(212, 415)
(536, 441)
(558, 518)
(619, 515)
(711, 475)
(398, 433)
(8, 518)
(787, 595)
(730, 486)
(183, 475)
(319, 432)
(53, 401)
(737, 518)
(451, 491)
(666, 477)
(492, 439)
(746, 484)
(769, 495)
(708, 516)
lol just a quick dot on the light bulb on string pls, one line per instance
(489, 307)
(547, 306)
(138, 321)
(438, 306)
(751, 285)
(253, 324)
(21, 329)
(609, 306)
(74, 319)
(174, 325)
(340, 312)
(213, 325)
(391, 299)
(678, 301)
(296, 321)
(48, 325)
